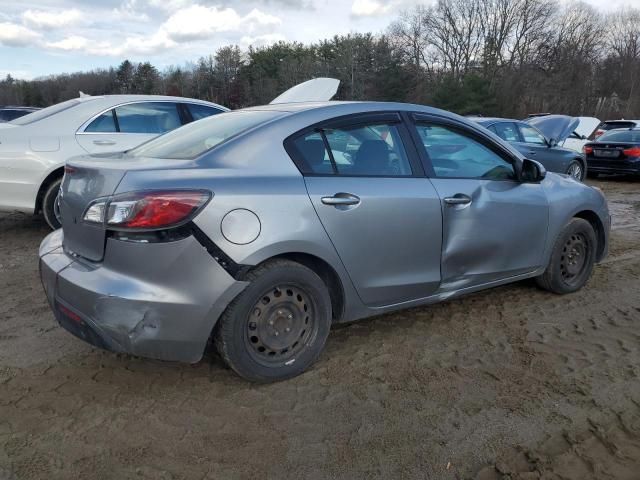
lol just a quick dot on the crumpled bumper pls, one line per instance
(157, 300)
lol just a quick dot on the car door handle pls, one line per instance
(341, 199)
(531, 152)
(458, 199)
(104, 142)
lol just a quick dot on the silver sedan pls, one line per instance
(260, 228)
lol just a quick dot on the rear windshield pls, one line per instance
(194, 139)
(632, 136)
(46, 112)
(612, 125)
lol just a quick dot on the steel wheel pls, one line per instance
(575, 171)
(281, 324)
(573, 260)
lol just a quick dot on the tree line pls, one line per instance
(489, 57)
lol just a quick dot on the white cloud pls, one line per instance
(198, 22)
(369, 8)
(13, 35)
(44, 19)
(74, 42)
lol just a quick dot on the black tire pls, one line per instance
(576, 170)
(49, 204)
(284, 299)
(572, 258)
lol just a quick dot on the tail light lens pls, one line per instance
(632, 152)
(152, 210)
(587, 150)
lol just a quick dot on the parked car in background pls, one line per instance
(538, 138)
(614, 124)
(584, 130)
(259, 228)
(615, 151)
(8, 113)
(34, 148)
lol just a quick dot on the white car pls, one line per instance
(34, 148)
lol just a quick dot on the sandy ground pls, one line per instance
(509, 383)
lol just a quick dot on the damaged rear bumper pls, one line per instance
(157, 300)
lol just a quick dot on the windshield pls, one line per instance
(46, 112)
(632, 136)
(194, 139)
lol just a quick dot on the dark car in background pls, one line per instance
(614, 125)
(616, 151)
(9, 113)
(538, 137)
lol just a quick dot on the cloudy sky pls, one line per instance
(40, 37)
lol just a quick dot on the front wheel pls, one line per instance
(576, 171)
(49, 204)
(277, 327)
(572, 258)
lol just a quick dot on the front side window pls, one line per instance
(199, 111)
(363, 150)
(507, 131)
(105, 123)
(148, 117)
(456, 155)
(531, 135)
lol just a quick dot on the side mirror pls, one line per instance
(552, 142)
(532, 171)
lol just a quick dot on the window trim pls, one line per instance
(355, 120)
(81, 129)
(477, 135)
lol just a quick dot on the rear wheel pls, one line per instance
(49, 204)
(278, 326)
(575, 170)
(572, 258)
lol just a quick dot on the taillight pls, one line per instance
(598, 133)
(587, 150)
(151, 210)
(632, 152)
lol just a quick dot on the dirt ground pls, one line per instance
(509, 383)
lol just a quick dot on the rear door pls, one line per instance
(129, 125)
(494, 227)
(382, 215)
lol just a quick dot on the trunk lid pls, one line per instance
(556, 127)
(83, 182)
(609, 151)
(316, 90)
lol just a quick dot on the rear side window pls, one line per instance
(507, 131)
(199, 111)
(148, 117)
(456, 155)
(363, 150)
(105, 123)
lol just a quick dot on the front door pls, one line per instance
(494, 227)
(384, 220)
